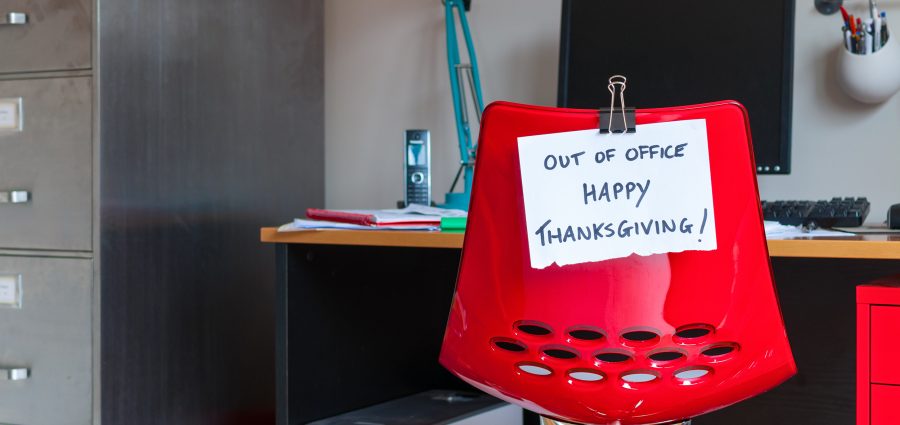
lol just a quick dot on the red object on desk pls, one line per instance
(635, 340)
(877, 351)
(368, 219)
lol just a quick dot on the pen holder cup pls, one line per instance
(872, 78)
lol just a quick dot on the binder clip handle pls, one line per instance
(619, 120)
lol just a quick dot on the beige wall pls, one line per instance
(386, 71)
(385, 67)
(840, 147)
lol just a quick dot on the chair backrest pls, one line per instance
(634, 340)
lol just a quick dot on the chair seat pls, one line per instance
(635, 340)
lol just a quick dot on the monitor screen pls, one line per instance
(686, 52)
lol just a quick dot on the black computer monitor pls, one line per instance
(685, 52)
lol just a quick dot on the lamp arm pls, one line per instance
(466, 145)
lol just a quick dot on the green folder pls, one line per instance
(453, 224)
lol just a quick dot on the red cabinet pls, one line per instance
(878, 352)
(885, 344)
(885, 402)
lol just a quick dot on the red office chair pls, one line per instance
(637, 340)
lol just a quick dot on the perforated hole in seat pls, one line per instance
(720, 350)
(697, 333)
(693, 373)
(613, 357)
(534, 328)
(535, 369)
(693, 332)
(640, 336)
(586, 333)
(508, 344)
(586, 375)
(560, 353)
(666, 356)
(638, 376)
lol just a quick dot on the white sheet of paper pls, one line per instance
(9, 114)
(10, 291)
(642, 193)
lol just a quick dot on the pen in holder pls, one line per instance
(871, 76)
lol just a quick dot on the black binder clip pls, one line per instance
(619, 120)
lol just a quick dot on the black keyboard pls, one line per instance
(838, 212)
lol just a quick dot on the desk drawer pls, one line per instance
(49, 335)
(50, 158)
(45, 35)
(885, 351)
(885, 402)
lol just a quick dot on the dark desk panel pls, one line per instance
(818, 302)
(358, 325)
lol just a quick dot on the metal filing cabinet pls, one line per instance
(46, 212)
(45, 35)
(49, 161)
(138, 159)
(45, 353)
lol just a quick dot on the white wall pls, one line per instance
(385, 65)
(386, 71)
(840, 147)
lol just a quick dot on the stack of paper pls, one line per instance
(413, 217)
(776, 230)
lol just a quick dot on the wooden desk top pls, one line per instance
(873, 247)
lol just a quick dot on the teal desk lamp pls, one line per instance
(458, 72)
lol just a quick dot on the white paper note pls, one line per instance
(592, 197)
(9, 114)
(10, 291)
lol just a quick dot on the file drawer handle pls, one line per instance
(14, 18)
(15, 197)
(19, 374)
